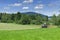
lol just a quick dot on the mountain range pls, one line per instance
(33, 13)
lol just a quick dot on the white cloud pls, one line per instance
(15, 4)
(54, 4)
(10, 12)
(7, 12)
(37, 11)
(6, 8)
(28, 1)
(40, 6)
(25, 8)
(55, 12)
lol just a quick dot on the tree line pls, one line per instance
(37, 19)
(20, 18)
(55, 20)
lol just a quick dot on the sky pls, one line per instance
(46, 7)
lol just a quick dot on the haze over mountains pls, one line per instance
(33, 13)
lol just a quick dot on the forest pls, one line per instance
(29, 18)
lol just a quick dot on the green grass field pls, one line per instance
(11, 26)
(28, 32)
(31, 34)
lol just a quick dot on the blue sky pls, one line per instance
(46, 7)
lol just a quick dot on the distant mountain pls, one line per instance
(30, 13)
(33, 13)
(49, 16)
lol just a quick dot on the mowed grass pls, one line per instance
(9, 31)
(31, 34)
(12, 26)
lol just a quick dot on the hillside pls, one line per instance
(34, 13)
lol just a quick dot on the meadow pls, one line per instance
(12, 26)
(10, 31)
(31, 34)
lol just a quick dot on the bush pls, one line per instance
(36, 22)
(25, 21)
(10, 21)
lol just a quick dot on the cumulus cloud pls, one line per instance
(28, 1)
(25, 8)
(6, 8)
(15, 4)
(40, 6)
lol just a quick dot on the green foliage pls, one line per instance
(55, 20)
(25, 19)
(13, 17)
(0, 16)
(58, 19)
(20, 18)
(33, 22)
(33, 17)
(4, 18)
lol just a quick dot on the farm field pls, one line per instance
(31, 34)
(9, 31)
(12, 26)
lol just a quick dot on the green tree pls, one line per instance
(25, 20)
(54, 19)
(13, 17)
(17, 17)
(58, 19)
(4, 18)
